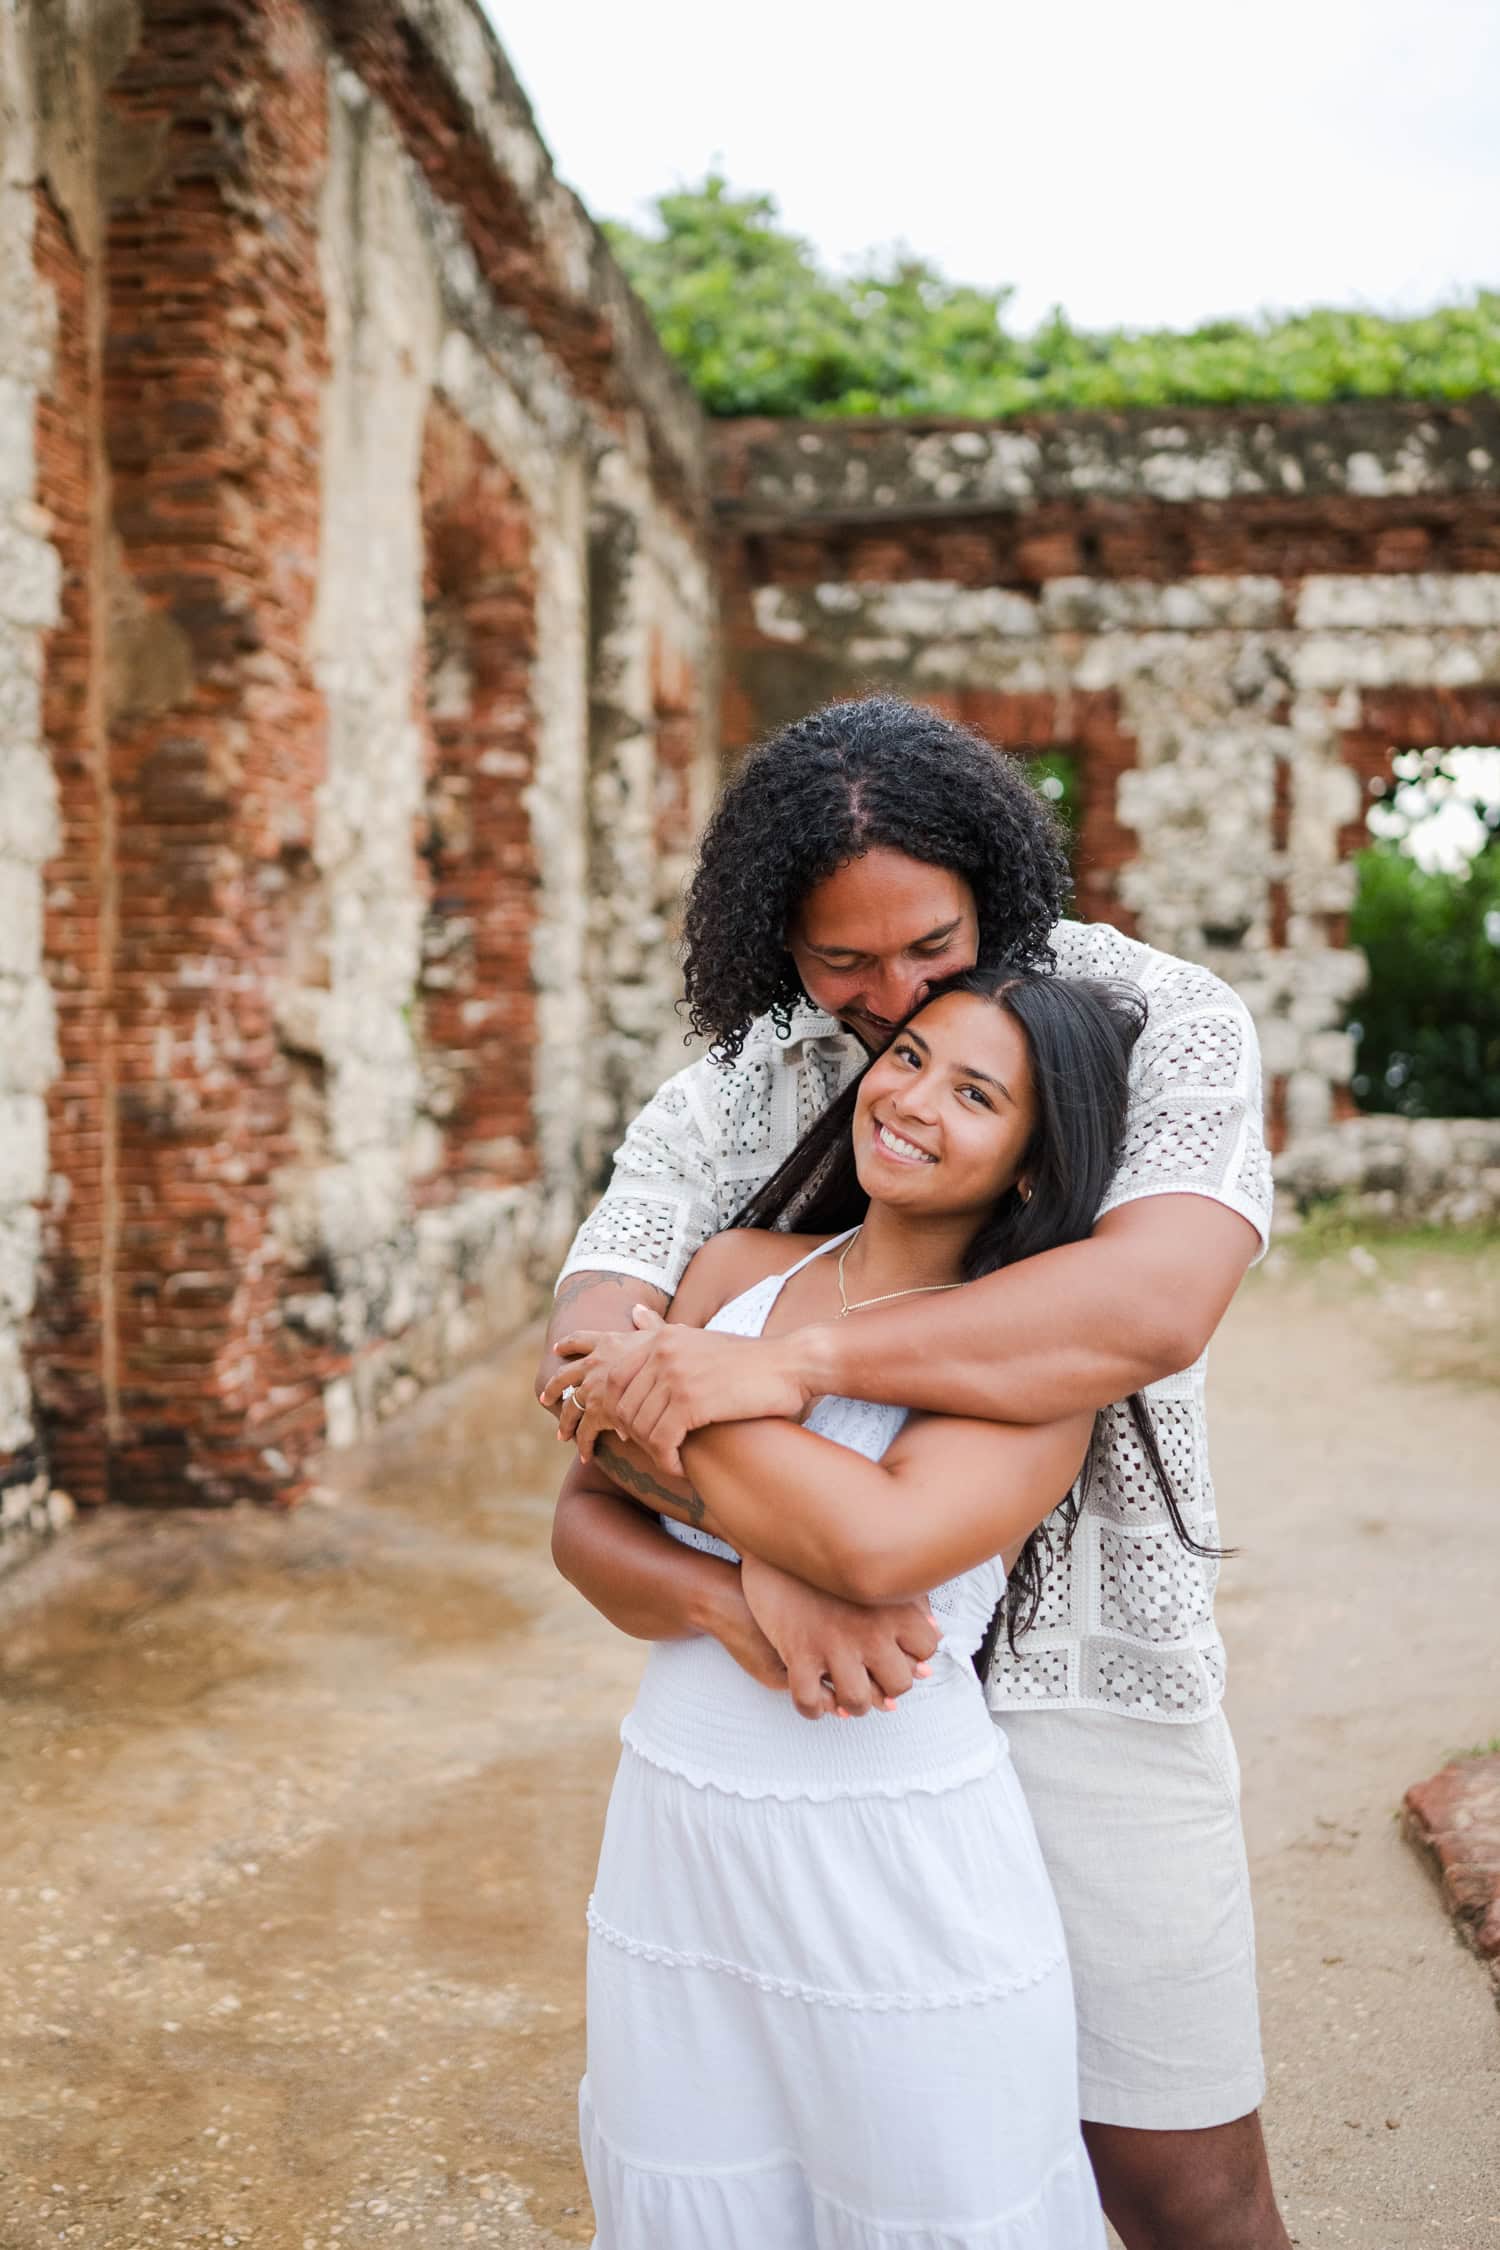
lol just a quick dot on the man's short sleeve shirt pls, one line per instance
(1126, 1622)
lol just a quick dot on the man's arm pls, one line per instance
(660, 1207)
(593, 1300)
(1066, 1332)
(1080, 1327)
(649, 1585)
(1073, 1329)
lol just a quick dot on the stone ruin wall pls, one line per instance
(1230, 620)
(358, 657)
(355, 693)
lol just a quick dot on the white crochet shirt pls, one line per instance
(1126, 1622)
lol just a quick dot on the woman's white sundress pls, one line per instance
(829, 2005)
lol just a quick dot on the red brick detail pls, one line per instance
(1276, 1106)
(1090, 726)
(1154, 540)
(478, 1002)
(72, 1327)
(1455, 1818)
(675, 704)
(213, 366)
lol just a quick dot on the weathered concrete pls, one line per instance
(305, 1809)
(29, 607)
(1377, 449)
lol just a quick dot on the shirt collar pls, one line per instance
(811, 1027)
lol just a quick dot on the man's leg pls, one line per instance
(1205, 2190)
(1140, 1830)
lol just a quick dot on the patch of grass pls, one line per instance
(1336, 1227)
(1475, 1750)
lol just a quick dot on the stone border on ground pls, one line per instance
(1411, 1170)
(1455, 1818)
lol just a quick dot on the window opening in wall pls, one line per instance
(1427, 917)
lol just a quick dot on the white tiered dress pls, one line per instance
(828, 1998)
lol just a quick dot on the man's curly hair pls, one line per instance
(847, 779)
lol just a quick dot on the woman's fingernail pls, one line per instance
(840, 1712)
(889, 1704)
(924, 1671)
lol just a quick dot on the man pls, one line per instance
(857, 857)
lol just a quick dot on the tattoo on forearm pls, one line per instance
(643, 1484)
(569, 1291)
(578, 1284)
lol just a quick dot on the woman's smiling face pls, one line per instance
(946, 1113)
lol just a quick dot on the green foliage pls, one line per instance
(1429, 1023)
(759, 327)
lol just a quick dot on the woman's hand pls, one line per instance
(734, 1627)
(837, 1655)
(657, 1385)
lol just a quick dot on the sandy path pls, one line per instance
(302, 1815)
(1363, 1622)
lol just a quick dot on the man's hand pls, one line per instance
(659, 1384)
(838, 1655)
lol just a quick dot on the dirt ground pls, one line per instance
(301, 1811)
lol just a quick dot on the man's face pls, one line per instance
(872, 936)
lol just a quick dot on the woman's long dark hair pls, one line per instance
(1079, 1034)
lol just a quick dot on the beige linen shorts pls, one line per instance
(1139, 1823)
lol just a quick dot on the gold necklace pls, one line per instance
(926, 1288)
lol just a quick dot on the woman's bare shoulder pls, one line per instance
(734, 1261)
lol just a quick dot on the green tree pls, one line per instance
(759, 327)
(1428, 1025)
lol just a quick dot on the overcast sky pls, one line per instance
(1161, 162)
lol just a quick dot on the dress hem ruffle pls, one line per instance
(791, 1988)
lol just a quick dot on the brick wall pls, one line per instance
(72, 1334)
(1230, 619)
(213, 365)
(357, 648)
(314, 376)
(476, 998)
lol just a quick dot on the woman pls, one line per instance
(829, 2002)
